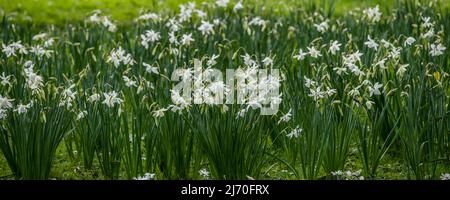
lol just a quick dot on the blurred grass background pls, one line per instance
(62, 11)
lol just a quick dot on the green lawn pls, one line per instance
(61, 11)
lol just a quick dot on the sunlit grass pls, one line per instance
(361, 90)
(63, 11)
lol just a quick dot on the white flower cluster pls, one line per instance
(315, 53)
(286, 117)
(34, 81)
(40, 51)
(187, 39)
(295, 133)
(258, 21)
(255, 89)
(146, 177)
(119, 56)
(103, 20)
(206, 28)
(149, 16)
(208, 90)
(48, 41)
(436, 48)
(445, 176)
(186, 12)
(322, 27)
(348, 175)
(68, 96)
(373, 14)
(111, 99)
(204, 173)
(316, 91)
(11, 49)
(5, 104)
(149, 36)
(5, 80)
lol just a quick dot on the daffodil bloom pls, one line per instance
(313, 52)
(147, 176)
(238, 6)
(21, 109)
(111, 99)
(187, 39)
(34, 81)
(149, 36)
(68, 96)
(48, 43)
(94, 18)
(309, 82)
(267, 61)
(173, 39)
(301, 55)
(159, 113)
(381, 63)
(409, 41)
(287, 117)
(375, 90)
(212, 61)
(201, 14)
(8, 50)
(129, 82)
(81, 115)
(322, 27)
(257, 21)
(186, 12)
(206, 28)
(426, 22)
(445, 176)
(371, 43)
(348, 175)
(105, 21)
(316, 93)
(93, 98)
(150, 69)
(373, 14)
(340, 70)
(222, 3)
(401, 70)
(437, 50)
(177, 99)
(173, 25)
(204, 172)
(334, 47)
(119, 56)
(248, 61)
(5, 80)
(386, 44)
(39, 36)
(354, 92)
(369, 104)
(11, 49)
(3, 114)
(428, 34)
